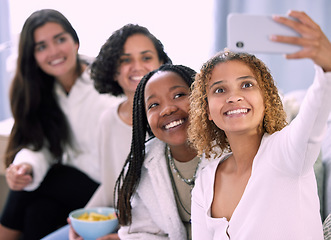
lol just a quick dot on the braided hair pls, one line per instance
(129, 177)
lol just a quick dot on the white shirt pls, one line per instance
(114, 144)
(83, 107)
(280, 200)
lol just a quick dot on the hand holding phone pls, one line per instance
(251, 33)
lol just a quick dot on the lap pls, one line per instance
(60, 234)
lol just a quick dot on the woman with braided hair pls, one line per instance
(154, 188)
(128, 54)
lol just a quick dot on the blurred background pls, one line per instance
(191, 30)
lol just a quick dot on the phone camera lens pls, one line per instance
(240, 44)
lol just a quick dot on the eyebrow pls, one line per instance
(239, 79)
(143, 52)
(55, 37)
(171, 89)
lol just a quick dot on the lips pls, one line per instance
(236, 111)
(174, 124)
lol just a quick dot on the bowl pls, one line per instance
(93, 229)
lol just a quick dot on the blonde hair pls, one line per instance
(203, 133)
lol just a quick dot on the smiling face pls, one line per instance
(55, 50)
(235, 101)
(139, 58)
(167, 106)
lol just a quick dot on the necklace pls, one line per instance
(188, 181)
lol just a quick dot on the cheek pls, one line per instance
(153, 65)
(212, 109)
(71, 49)
(152, 122)
(39, 57)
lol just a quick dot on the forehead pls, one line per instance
(47, 30)
(161, 82)
(138, 43)
(230, 69)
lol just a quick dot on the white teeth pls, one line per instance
(57, 61)
(174, 124)
(137, 78)
(237, 111)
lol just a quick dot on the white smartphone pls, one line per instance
(251, 33)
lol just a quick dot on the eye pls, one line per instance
(152, 105)
(247, 85)
(219, 90)
(178, 95)
(147, 58)
(40, 47)
(61, 39)
(125, 60)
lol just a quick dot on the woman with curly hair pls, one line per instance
(129, 53)
(261, 184)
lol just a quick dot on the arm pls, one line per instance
(307, 129)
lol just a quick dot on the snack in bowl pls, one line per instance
(93, 216)
(92, 223)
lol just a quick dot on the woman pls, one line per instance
(130, 53)
(263, 186)
(154, 187)
(52, 146)
(127, 55)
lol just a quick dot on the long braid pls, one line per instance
(129, 177)
(130, 174)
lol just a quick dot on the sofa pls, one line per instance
(5, 128)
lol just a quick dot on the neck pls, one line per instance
(69, 79)
(183, 153)
(125, 111)
(244, 149)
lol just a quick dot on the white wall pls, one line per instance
(183, 26)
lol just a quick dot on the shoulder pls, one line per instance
(154, 149)
(154, 146)
(110, 115)
(208, 166)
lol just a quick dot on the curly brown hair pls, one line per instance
(203, 133)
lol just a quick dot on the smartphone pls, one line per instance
(251, 33)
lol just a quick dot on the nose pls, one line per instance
(234, 98)
(168, 110)
(52, 49)
(136, 65)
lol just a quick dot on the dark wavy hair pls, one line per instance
(38, 117)
(129, 177)
(104, 68)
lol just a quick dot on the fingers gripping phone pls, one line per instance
(251, 33)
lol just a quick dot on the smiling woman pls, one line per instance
(238, 119)
(154, 194)
(50, 159)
